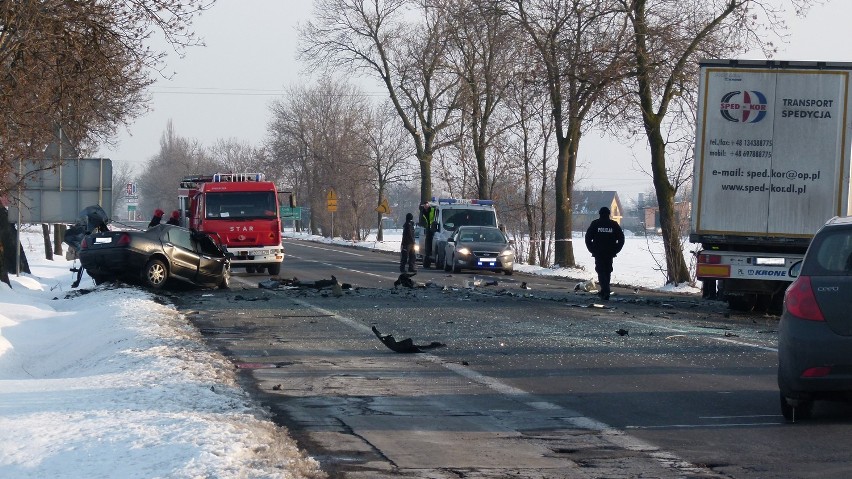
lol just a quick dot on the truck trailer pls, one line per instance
(771, 167)
(242, 210)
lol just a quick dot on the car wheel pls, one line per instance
(155, 274)
(275, 269)
(802, 409)
(250, 269)
(455, 268)
(447, 266)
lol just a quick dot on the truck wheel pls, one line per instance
(250, 269)
(155, 274)
(742, 303)
(275, 269)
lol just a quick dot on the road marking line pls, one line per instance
(698, 426)
(703, 334)
(343, 268)
(735, 417)
(325, 249)
(610, 434)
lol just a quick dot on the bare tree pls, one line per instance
(670, 36)
(484, 49)
(315, 138)
(401, 43)
(235, 155)
(580, 45)
(123, 173)
(160, 177)
(389, 154)
(83, 66)
(532, 139)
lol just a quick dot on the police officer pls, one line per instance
(406, 253)
(604, 239)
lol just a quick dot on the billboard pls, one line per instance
(58, 195)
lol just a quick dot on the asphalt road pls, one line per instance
(531, 383)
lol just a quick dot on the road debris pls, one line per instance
(278, 283)
(406, 345)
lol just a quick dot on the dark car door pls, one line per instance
(183, 259)
(211, 262)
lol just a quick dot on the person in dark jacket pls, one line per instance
(158, 216)
(604, 239)
(175, 219)
(407, 255)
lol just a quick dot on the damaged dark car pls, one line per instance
(155, 256)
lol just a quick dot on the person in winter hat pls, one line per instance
(407, 255)
(175, 219)
(604, 239)
(158, 216)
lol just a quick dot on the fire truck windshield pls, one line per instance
(240, 205)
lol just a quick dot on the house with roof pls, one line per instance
(586, 204)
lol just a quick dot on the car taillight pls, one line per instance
(710, 259)
(801, 302)
(123, 240)
(817, 372)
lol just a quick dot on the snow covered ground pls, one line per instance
(114, 383)
(639, 264)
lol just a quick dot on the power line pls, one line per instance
(175, 90)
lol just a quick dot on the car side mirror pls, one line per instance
(795, 269)
(451, 241)
(434, 226)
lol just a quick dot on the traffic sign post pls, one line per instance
(331, 204)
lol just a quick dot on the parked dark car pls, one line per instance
(815, 331)
(478, 247)
(156, 255)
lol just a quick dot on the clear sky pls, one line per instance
(223, 90)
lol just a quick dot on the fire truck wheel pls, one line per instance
(250, 269)
(274, 269)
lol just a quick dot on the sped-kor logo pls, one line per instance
(743, 106)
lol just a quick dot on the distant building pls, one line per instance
(586, 204)
(683, 213)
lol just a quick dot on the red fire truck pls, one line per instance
(242, 209)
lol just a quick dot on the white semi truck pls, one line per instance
(771, 166)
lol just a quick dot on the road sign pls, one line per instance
(289, 213)
(383, 207)
(331, 200)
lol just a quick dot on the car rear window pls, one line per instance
(830, 253)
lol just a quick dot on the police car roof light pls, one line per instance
(450, 201)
